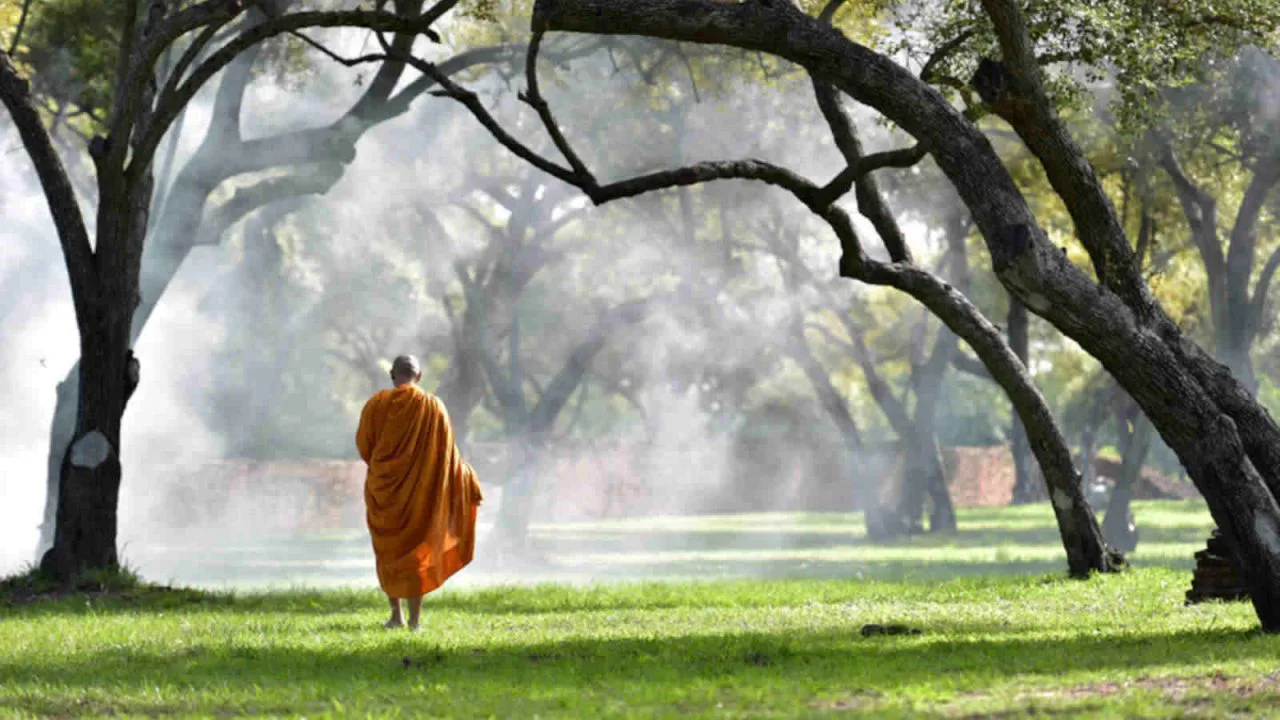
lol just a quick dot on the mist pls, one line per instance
(265, 347)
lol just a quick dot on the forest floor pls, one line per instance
(992, 642)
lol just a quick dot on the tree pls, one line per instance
(1086, 550)
(921, 472)
(1228, 443)
(194, 209)
(1228, 123)
(105, 271)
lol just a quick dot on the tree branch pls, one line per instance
(170, 104)
(942, 53)
(59, 193)
(533, 96)
(1201, 212)
(1015, 90)
(125, 99)
(900, 158)
(1242, 252)
(1259, 303)
(246, 200)
(347, 62)
(22, 24)
(553, 399)
(870, 201)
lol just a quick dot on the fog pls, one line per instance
(264, 347)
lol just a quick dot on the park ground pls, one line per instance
(758, 616)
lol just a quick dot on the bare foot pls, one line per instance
(413, 627)
(393, 623)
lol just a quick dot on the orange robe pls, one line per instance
(420, 495)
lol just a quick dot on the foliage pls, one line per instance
(1140, 47)
(990, 645)
(71, 48)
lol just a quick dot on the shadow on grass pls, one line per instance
(542, 676)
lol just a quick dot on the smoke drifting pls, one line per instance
(39, 333)
(265, 347)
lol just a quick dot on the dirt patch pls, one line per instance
(855, 701)
(1171, 687)
(1187, 691)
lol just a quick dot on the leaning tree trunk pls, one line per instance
(1023, 489)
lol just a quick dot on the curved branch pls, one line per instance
(1259, 303)
(246, 200)
(870, 201)
(557, 393)
(944, 50)
(22, 24)
(900, 158)
(1242, 252)
(533, 97)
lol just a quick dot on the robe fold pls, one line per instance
(421, 498)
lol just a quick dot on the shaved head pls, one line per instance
(405, 369)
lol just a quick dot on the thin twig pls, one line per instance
(348, 62)
(22, 24)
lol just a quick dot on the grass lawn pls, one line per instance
(999, 636)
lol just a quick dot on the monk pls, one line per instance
(421, 497)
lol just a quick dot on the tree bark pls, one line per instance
(85, 535)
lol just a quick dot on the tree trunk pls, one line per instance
(925, 478)
(61, 430)
(928, 389)
(1118, 524)
(1023, 489)
(88, 494)
(942, 512)
(878, 515)
(463, 390)
(519, 495)
(914, 482)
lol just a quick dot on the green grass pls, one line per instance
(992, 643)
